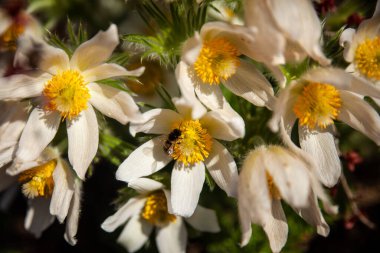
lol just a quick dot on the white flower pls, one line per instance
(271, 174)
(52, 191)
(188, 137)
(66, 90)
(211, 58)
(362, 48)
(284, 31)
(13, 118)
(150, 210)
(319, 97)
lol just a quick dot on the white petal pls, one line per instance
(16, 87)
(360, 115)
(38, 133)
(276, 227)
(108, 70)
(12, 122)
(188, 105)
(96, 50)
(63, 190)
(321, 146)
(83, 135)
(223, 125)
(37, 217)
(143, 161)
(132, 207)
(204, 220)
(312, 215)
(186, 186)
(345, 41)
(6, 154)
(172, 238)
(244, 220)
(191, 49)
(53, 60)
(145, 185)
(283, 109)
(135, 234)
(156, 121)
(114, 103)
(222, 167)
(210, 95)
(73, 215)
(250, 84)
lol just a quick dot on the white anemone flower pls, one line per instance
(212, 58)
(188, 137)
(271, 174)
(362, 49)
(66, 89)
(53, 191)
(13, 117)
(319, 97)
(149, 210)
(285, 31)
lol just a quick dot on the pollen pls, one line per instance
(193, 145)
(38, 181)
(273, 190)
(218, 60)
(9, 38)
(155, 210)
(367, 58)
(318, 104)
(66, 93)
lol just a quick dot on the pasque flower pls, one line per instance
(151, 210)
(319, 97)
(66, 90)
(189, 137)
(271, 174)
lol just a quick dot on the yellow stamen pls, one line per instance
(317, 105)
(194, 143)
(38, 181)
(66, 93)
(367, 58)
(273, 190)
(217, 61)
(9, 38)
(155, 210)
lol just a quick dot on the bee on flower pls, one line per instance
(189, 137)
(151, 210)
(53, 191)
(316, 100)
(65, 89)
(271, 174)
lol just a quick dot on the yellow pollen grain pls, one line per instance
(194, 144)
(367, 58)
(155, 210)
(9, 38)
(66, 93)
(273, 190)
(318, 105)
(38, 181)
(218, 60)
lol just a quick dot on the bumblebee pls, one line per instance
(172, 138)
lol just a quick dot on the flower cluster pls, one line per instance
(188, 101)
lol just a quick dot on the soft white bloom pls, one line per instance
(284, 31)
(211, 58)
(271, 174)
(319, 97)
(362, 49)
(150, 209)
(66, 89)
(189, 137)
(52, 190)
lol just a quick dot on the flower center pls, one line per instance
(9, 37)
(188, 142)
(367, 58)
(155, 210)
(67, 93)
(218, 60)
(318, 104)
(273, 190)
(38, 181)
